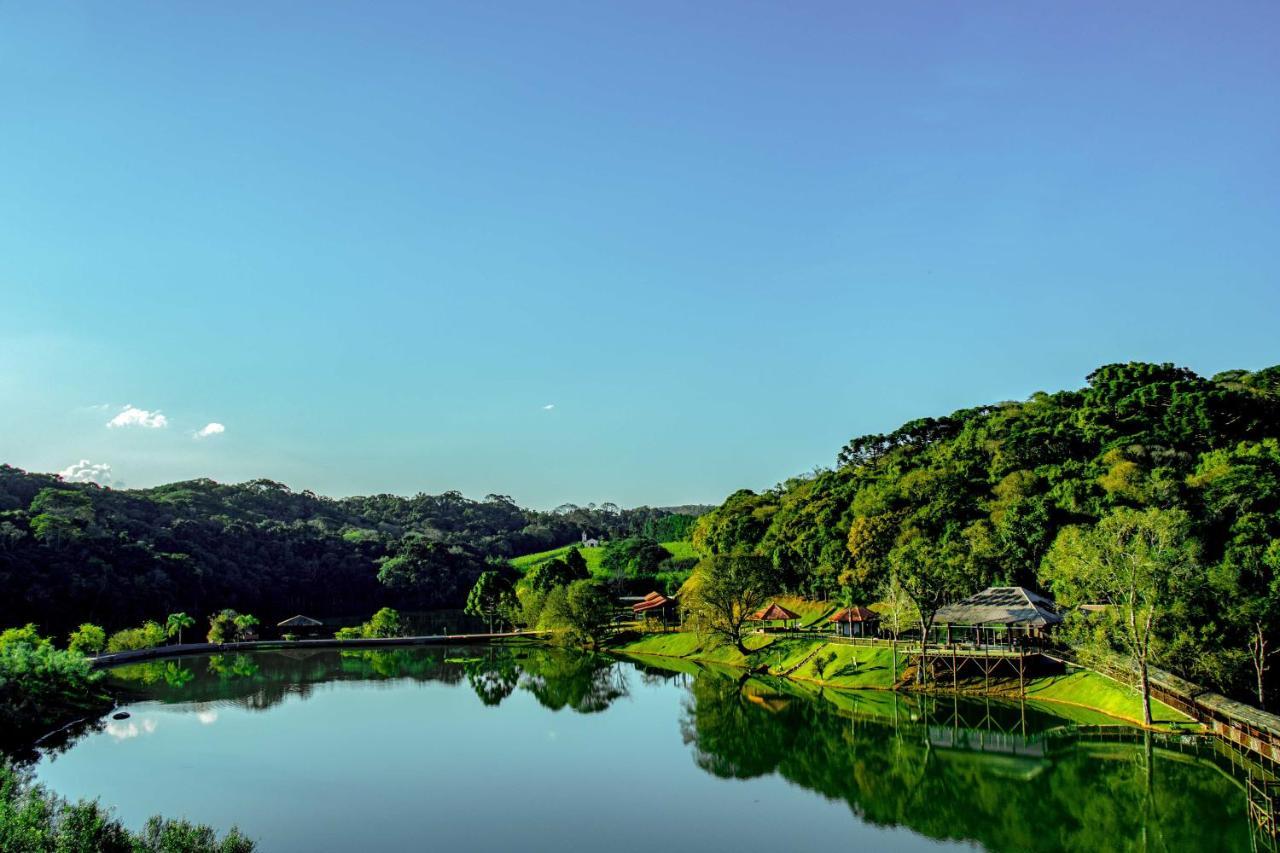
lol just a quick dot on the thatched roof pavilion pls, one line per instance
(299, 622)
(1001, 605)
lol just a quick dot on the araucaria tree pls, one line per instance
(1139, 564)
(725, 590)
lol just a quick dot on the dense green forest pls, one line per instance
(980, 497)
(74, 552)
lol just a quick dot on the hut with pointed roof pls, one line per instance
(855, 622)
(300, 625)
(775, 612)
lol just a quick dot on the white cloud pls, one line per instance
(133, 416)
(129, 730)
(85, 471)
(209, 429)
(207, 718)
(548, 407)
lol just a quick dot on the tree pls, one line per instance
(725, 590)
(228, 626)
(633, 557)
(1140, 563)
(87, 639)
(897, 613)
(929, 573)
(385, 623)
(176, 623)
(590, 611)
(492, 595)
(546, 576)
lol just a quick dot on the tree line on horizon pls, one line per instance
(72, 553)
(1152, 490)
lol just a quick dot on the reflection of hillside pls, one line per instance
(951, 769)
(556, 678)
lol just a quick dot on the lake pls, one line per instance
(541, 749)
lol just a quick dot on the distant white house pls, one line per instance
(588, 542)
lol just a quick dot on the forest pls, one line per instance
(1024, 493)
(74, 552)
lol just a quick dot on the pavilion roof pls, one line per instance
(1000, 605)
(854, 614)
(773, 613)
(299, 622)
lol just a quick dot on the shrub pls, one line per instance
(150, 635)
(34, 820)
(87, 639)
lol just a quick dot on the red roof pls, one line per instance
(854, 614)
(773, 613)
(651, 601)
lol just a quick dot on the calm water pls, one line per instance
(537, 749)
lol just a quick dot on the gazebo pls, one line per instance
(299, 624)
(999, 614)
(775, 613)
(855, 622)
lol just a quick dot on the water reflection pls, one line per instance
(557, 678)
(1005, 776)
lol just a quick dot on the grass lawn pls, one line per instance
(1090, 689)
(593, 556)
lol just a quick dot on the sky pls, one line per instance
(647, 253)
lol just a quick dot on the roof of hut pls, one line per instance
(854, 614)
(651, 601)
(299, 622)
(1000, 605)
(773, 613)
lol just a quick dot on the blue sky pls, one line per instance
(375, 243)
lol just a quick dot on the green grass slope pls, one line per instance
(1082, 695)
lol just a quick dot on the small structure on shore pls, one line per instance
(659, 605)
(776, 613)
(998, 615)
(300, 625)
(855, 622)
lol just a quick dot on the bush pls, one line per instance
(87, 639)
(34, 820)
(150, 635)
(41, 686)
(385, 623)
(229, 626)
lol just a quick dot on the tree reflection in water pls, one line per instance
(1004, 776)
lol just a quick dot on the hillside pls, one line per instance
(985, 492)
(75, 552)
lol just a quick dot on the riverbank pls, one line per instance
(856, 667)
